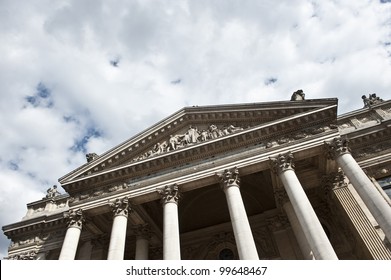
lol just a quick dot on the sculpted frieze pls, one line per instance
(193, 135)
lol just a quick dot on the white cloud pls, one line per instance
(170, 55)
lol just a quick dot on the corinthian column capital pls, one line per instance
(121, 207)
(282, 162)
(170, 194)
(74, 218)
(229, 177)
(337, 147)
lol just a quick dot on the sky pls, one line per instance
(83, 76)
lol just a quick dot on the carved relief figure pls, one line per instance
(298, 95)
(193, 134)
(371, 100)
(52, 192)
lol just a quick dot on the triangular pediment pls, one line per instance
(196, 130)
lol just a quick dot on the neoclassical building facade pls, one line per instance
(275, 180)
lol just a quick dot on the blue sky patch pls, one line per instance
(80, 145)
(41, 98)
(270, 81)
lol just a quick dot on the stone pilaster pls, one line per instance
(340, 194)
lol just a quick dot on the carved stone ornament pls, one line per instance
(282, 162)
(193, 135)
(170, 193)
(52, 192)
(337, 147)
(91, 156)
(333, 181)
(229, 177)
(30, 255)
(372, 99)
(74, 218)
(298, 95)
(121, 207)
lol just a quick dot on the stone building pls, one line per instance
(274, 180)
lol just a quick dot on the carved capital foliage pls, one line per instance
(121, 207)
(282, 162)
(229, 177)
(170, 194)
(334, 180)
(74, 218)
(337, 147)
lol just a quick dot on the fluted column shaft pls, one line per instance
(241, 226)
(120, 209)
(372, 198)
(171, 242)
(72, 236)
(310, 224)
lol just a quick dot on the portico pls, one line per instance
(239, 182)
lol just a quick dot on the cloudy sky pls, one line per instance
(83, 76)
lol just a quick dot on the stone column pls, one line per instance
(143, 234)
(241, 227)
(120, 209)
(377, 205)
(171, 243)
(305, 248)
(72, 236)
(311, 226)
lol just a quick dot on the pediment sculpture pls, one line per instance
(193, 135)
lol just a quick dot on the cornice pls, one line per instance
(34, 225)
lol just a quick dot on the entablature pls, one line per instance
(190, 177)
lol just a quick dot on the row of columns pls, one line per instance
(309, 232)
